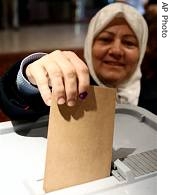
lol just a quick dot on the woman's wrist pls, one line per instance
(23, 83)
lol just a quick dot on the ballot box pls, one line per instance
(134, 159)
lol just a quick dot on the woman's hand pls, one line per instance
(64, 72)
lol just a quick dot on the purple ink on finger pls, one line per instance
(83, 95)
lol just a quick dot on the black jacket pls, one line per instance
(16, 105)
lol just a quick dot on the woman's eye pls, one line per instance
(105, 39)
(129, 43)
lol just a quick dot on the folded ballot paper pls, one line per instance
(79, 147)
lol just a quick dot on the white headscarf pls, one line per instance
(129, 91)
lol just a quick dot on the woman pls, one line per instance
(114, 49)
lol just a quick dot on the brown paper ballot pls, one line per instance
(79, 147)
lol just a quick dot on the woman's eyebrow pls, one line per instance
(125, 35)
(130, 36)
(110, 32)
(106, 31)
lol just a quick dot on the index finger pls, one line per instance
(81, 70)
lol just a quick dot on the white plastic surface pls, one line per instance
(22, 161)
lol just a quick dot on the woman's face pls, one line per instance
(115, 53)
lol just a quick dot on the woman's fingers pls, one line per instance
(56, 81)
(66, 74)
(38, 76)
(69, 77)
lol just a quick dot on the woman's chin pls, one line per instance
(110, 83)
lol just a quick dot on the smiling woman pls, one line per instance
(114, 48)
(115, 53)
(117, 36)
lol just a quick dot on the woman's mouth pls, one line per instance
(114, 63)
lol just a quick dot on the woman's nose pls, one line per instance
(116, 49)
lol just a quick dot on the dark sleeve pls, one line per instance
(16, 105)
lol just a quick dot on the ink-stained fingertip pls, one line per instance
(83, 95)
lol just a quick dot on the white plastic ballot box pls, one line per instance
(134, 162)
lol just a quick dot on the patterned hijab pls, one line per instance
(129, 91)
